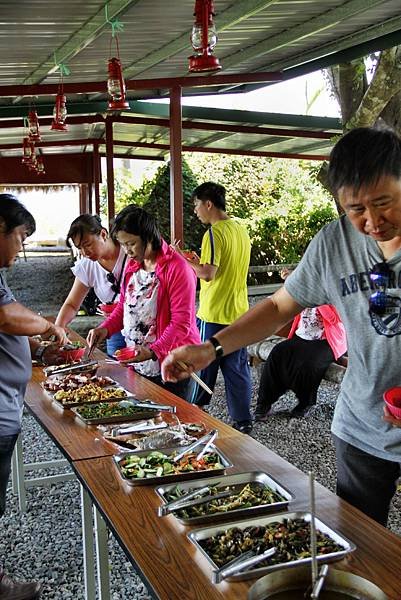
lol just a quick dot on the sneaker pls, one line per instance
(243, 426)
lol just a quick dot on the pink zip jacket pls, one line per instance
(175, 318)
(333, 329)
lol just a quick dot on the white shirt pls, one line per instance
(310, 325)
(93, 275)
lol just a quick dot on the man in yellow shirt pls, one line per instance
(222, 269)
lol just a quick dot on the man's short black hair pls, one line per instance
(135, 220)
(13, 214)
(214, 192)
(362, 156)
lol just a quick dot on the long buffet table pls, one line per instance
(159, 549)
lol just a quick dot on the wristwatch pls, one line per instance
(38, 353)
(218, 348)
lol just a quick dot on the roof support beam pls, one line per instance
(47, 89)
(325, 21)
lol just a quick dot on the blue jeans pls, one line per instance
(115, 342)
(236, 373)
(7, 444)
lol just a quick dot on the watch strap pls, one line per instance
(218, 348)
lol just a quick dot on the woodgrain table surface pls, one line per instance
(158, 547)
(174, 569)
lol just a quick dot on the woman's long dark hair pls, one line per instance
(83, 224)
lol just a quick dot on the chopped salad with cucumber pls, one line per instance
(158, 464)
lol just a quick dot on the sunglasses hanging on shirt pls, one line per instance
(116, 284)
(380, 301)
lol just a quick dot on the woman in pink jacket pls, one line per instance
(317, 338)
(156, 309)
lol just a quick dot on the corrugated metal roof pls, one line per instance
(254, 35)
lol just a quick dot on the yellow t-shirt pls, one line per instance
(225, 245)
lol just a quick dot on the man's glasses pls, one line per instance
(380, 301)
(114, 284)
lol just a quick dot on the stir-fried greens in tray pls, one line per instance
(242, 496)
(291, 538)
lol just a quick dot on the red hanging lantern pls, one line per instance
(33, 126)
(26, 151)
(203, 39)
(59, 113)
(116, 86)
(40, 167)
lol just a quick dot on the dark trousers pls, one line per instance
(182, 388)
(7, 444)
(365, 481)
(236, 373)
(295, 364)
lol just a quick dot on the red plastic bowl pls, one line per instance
(188, 254)
(126, 353)
(69, 356)
(107, 309)
(392, 398)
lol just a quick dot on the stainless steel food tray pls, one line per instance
(148, 413)
(110, 386)
(175, 476)
(201, 534)
(222, 482)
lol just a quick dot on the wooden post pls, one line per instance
(96, 177)
(110, 172)
(176, 192)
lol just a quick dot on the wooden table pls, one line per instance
(170, 564)
(167, 561)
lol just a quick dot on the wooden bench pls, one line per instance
(261, 351)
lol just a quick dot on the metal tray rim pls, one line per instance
(234, 478)
(174, 477)
(204, 532)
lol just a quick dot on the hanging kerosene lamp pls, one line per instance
(203, 39)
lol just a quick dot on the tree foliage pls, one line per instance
(158, 204)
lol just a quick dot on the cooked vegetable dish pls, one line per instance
(88, 393)
(242, 496)
(157, 464)
(112, 409)
(291, 539)
(56, 383)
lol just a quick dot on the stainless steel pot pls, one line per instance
(291, 584)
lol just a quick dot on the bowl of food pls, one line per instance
(189, 254)
(392, 398)
(126, 353)
(107, 308)
(72, 352)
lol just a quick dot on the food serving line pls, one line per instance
(170, 565)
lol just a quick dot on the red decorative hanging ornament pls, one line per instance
(203, 39)
(40, 166)
(59, 112)
(33, 126)
(116, 86)
(32, 162)
(26, 151)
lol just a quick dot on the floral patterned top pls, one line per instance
(310, 325)
(140, 309)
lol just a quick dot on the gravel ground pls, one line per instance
(45, 543)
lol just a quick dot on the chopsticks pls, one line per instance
(195, 377)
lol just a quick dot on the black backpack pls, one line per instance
(90, 303)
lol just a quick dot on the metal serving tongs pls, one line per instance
(244, 561)
(189, 500)
(317, 580)
(208, 438)
(82, 366)
(132, 401)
